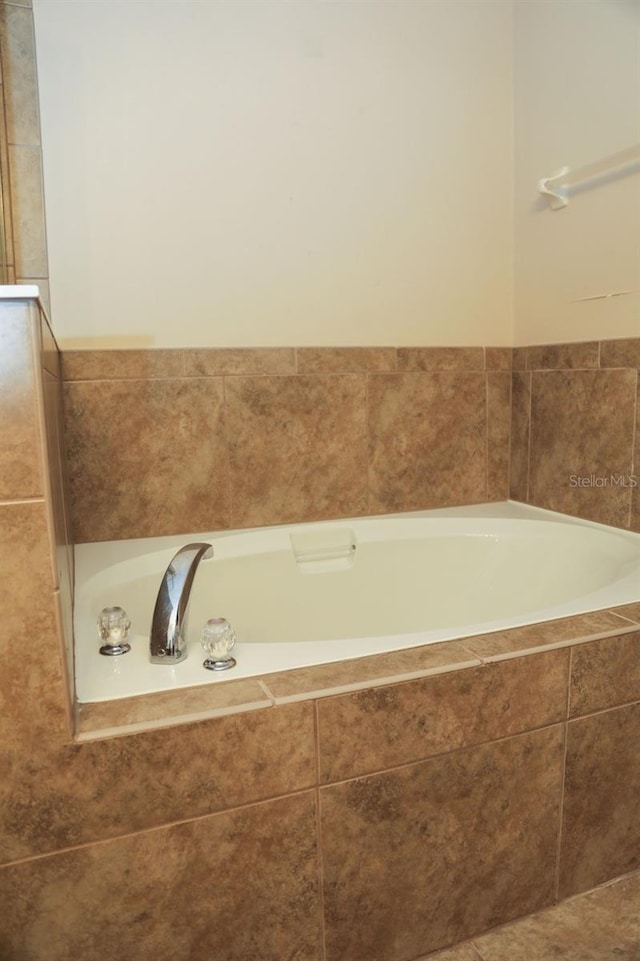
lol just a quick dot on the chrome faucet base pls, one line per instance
(212, 665)
(162, 658)
(112, 650)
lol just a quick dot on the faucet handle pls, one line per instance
(218, 639)
(113, 628)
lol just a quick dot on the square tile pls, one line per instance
(296, 448)
(383, 727)
(146, 457)
(235, 886)
(581, 443)
(601, 829)
(429, 854)
(601, 926)
(427, 440)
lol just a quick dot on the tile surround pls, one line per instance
(152, 896)
(27, 206)
(498, 434)
(327, 417)
(464, 952)
(582, 425)
(20, 90)
(605, 673)
(21, 472)
(456, 844)
(601, 830)
(390, 726)
(146, 457)
(443, 426)
(601, 926)
(77, 805)
(81, 793)
(297, 448)
(573, 414)
(427, 440)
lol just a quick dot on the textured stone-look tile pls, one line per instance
(620, 353)
(581, 443)
(27, 205)
(236, 886)
(50, 356)
(340, 360)
(520, 433)
(563, 356)
(170, 707)
(427, 855)
(384, 727)
(297, 448)
(630, 612)
(93, 790)
(122, 364)
(601, 829)
(58, 508)
(498, 358)
(524, 640)
(427, 440)
(601, 926)
(634, 522)
(20, 89)
(239, 360)
(519, 358)
(20, 467)
(440, 358)
(498, 434)
(463, 952)
(32, 692)
(364, 671)
(604, 674)
(146, 458)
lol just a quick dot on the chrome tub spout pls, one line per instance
(168, 642)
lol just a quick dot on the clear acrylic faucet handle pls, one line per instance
(218, 639)
(113, 629)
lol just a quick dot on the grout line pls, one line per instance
(635, 441)
(267, 691)
(320, 846)
(367, 440)
(563, 781)
(529, 432)
(114, 839)
(18, 501)
(486, 432)
(604, 710)
(227, 448)
(445, 752)
(547, 909)
(510, 438)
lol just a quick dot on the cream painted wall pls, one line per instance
(577, 100)
(268, 172)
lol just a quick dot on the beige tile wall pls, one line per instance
(379, 824)
(173, 441)
(370, 826)
(20, 150)
(575, 430)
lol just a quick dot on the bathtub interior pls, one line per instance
(307, 594)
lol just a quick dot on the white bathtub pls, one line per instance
(312, 593)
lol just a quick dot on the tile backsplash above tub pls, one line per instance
(169, 441)
(575, 429)
(172, 441)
